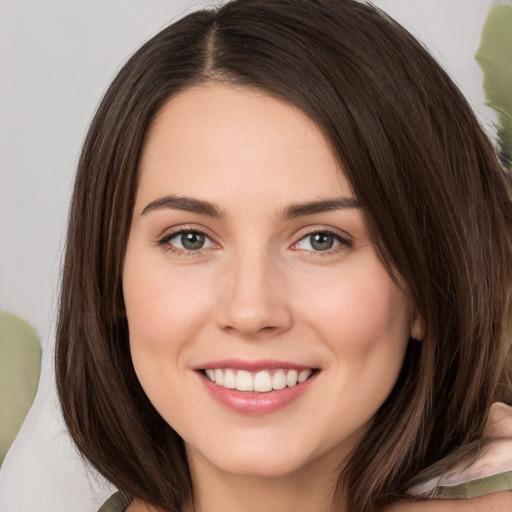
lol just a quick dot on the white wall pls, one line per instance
(451, 30)
(56, 59)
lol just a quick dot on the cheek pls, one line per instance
(165, 313)
(362, 315)
(365, 322)
(163, 307)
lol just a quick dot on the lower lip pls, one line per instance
(254, 403)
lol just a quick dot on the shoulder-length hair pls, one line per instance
(435, 199)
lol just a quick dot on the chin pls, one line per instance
(259, 468)
(260, 458)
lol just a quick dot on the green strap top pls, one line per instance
(116, 503)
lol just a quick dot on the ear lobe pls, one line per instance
(417, 327)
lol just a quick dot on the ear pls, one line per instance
(417, 326)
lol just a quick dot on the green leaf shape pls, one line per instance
(495, 58)
(20, 364)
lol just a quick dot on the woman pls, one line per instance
(296, 288)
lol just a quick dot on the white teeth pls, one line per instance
(291, 378)
(262, 381)
(229, 379)
(244, 381)
(219, 377)
(303, 375)
(279, 380)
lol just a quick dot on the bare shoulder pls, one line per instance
(496, 502)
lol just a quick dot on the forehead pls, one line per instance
(215, 137)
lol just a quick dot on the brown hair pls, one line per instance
(434, 195)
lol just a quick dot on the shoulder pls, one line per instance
(497, 502)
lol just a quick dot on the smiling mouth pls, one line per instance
(262, 381)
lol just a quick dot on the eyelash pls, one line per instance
(164, 242)
(344, 243)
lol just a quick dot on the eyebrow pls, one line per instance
(310, 208)
(187, 204)
(293, 211)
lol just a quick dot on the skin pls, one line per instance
(257, 289)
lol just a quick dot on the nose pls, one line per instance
(253, 301)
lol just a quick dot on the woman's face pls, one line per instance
(249, 263)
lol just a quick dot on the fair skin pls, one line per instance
(248, 263)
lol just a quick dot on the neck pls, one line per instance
(311, 488)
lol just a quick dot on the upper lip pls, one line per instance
(252, 366)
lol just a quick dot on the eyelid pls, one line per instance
(344, 238)
(170, 233)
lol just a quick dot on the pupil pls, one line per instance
(322, 241)
(192, 241)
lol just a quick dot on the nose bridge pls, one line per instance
(254, 298)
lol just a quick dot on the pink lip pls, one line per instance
(254, 403)
(252, 366)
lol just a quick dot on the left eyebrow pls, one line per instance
(310, 208)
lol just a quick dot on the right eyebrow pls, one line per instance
(187, 204)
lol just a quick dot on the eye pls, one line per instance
(320, 241)
(187, 240)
